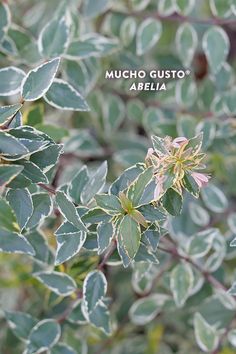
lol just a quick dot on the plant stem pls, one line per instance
(209, 277)
(107, 255)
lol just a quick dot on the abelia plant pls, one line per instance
(117, 215)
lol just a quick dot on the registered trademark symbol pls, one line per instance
(187, 72)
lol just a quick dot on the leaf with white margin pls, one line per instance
(42, 204)
(68, 246)
(145, 310)
(79, 49)
(11, 242)
(128, 30)
(200, 244)
(232, 290)
(62, 95)
(186, 43)
(216, 47)
(44, 335)
(166, 7)
(5, 19)
(105, 233)
(62, 348)
(40, 245)
(33, 172)
(181, 282)
(8, 219)
(205, 334)
(148, 34)
(21, 202)
(7, 112)
(10, 80)
(60, 283)
(55, 37)
(232, 337)
(94, 290)
(47, 157)
(184, 7)
(232, 222)
(8, 173)
(95, 183)
(77, 184)
(93, 8)
(20, 323)
(10, 146)
(69, 211)
(100, 318)
(76, 316)
(139, 5)
(221, 8)
(199, 215)
(214, 198)
(38, 81)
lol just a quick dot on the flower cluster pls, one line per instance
(177, 164)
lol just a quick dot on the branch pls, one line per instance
(107, 255)
(209, 277)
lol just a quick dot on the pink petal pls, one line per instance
(177, 142)
(200, 178)
(150, 152)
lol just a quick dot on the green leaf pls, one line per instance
(5, 19)
(95, 183)
(216, 46)
(108, 202)
(186, 92)
(21, 202)
(33, 172)
(214, 198)
(42, 208)
(38, 81)
(184, 7)
(221, 8)
(100, 318)
(94, 290)
(41, 247)
(148, 34)
(172, 201)
(54, 37)
(145, 310)
(78, 183)
(79, 49)
(62, 348)
(20, 323)
(47, 158)
(232, 337)
(44, 335)
(205, 334)
(128, 30)
(8, 173)
(10, 80)
(11, 242)
(7, 112)
(10, 145)
(166, 7)
(76, 316)
(232, 222)
(60, 283)
(186, 43)
(55, 132)
(191, 185)
(94, 8)
(159, 145)
(130, 235)
(137, 188)
(200, 244)
(69, 245)
(199, 215)
(62, 95)
(69, 211)
(105, 233)
(181, 283)
(8, 219)
(127, 177)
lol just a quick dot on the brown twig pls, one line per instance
(107, 255)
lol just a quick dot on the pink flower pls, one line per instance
(178, 142)
(159, 187)
(200, 179)
(150, 152)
